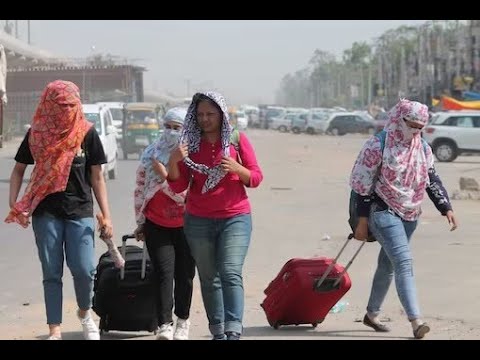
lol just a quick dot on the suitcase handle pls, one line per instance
(319, 283)
(124, 252)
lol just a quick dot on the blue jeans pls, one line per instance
(219, 247)
(52, 236)
(395, 259)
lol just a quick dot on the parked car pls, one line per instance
(453, 133)
(299, 123)
(116, 109)
(316, 122)
(348, 123)
(282, 123)
(272, 112)
(101, 118)
(380, 121)
(242, 120)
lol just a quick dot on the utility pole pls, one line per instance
(369, 93)
(362, 88)
(403, 73)
(28, 31)
(457, 48)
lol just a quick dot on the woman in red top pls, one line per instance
(159, 213)
(218, 222)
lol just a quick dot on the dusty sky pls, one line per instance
(243, 59)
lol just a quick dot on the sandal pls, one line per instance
(420, 331)
(375, 326)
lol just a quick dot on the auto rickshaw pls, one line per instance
(140, 127)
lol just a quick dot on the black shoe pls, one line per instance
(420, 331)
(219, 337)
(232, 335)
(375, 326)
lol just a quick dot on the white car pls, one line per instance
(101, 117)
(242, 120)
(453, 133)
(116, 109)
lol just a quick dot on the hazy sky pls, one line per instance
(243, 59)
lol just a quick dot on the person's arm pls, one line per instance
(362, 181)
(139, 196)
(95, 159)
(176, 156)
(253, 175)
(248, 171)
(23, 158)
(178, 175)
(437, 192)
(439, 196)
(16, 179)
(365, 174)
(159, 169)
(100, 190)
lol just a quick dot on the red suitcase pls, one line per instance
(306, 289)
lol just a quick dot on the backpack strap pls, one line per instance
(235, 139)
(382, 135)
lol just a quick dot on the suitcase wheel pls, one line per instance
(276, 325)
(314, 325)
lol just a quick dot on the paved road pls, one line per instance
(304, 196)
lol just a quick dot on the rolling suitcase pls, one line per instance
(305, 290)
(124, 299)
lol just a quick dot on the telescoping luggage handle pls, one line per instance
(124, 252)
(330, 267)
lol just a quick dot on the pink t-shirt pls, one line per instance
(229, 198)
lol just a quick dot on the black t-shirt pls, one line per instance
(76, 201)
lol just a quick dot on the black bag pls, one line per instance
(353, 219)
(125, 299)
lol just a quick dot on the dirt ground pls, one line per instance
(300, 210)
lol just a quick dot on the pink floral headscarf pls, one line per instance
(404, 168)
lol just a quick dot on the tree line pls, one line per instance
(439, 57)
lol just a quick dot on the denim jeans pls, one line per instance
(219, 247)
(395, 259)
(74, 238)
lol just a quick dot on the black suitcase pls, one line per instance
(124, 299)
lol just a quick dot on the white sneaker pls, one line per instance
(90, 329)
(182, 329)
(54, 337)
(165, 332)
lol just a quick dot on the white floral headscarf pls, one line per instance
(403, 175)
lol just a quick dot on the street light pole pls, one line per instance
(28, 31)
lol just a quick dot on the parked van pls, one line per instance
(101, 118)
(116, 109)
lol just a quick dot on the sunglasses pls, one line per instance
(412, 124)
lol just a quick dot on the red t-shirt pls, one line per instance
(163, 211)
